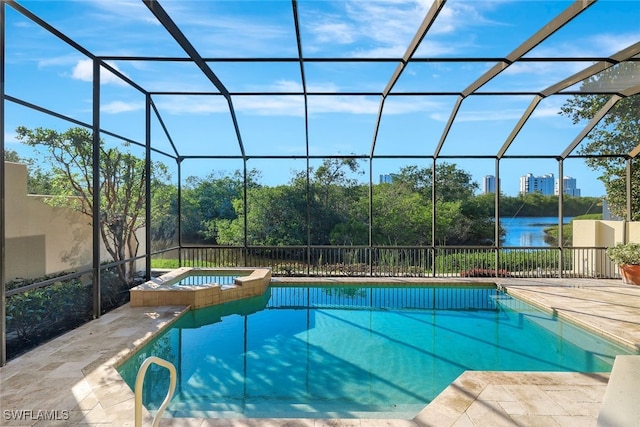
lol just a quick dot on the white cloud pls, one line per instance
(334, 32)
(116, 107)
(215, 31)
(457, 15)
(483, 115)
(10, 138)
(604, 44)
(543, 74)
(83, 70)
(284, 85)
(295, 86)
(385, 28)
(64, 60)
(291, 105)
(615, 42)
(270, 106)
(193, 105)
(343, 104)
(412, 104)
(123, 11)
(546, 111)
(489, 115)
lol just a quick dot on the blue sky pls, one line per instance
(47, 72)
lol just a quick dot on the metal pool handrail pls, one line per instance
(138, 389)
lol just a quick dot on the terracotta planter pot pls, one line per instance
(630, 273)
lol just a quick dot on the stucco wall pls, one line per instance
(600, 233)
(42, 239)
(604, 233)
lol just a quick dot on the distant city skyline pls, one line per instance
(546, 184)
(386, 178)
(489, 184)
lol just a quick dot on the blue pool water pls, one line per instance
(202, 279)
(365, 352)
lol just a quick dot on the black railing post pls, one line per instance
(96, 214)
(179, 213)
(3, 299)
(560, 214)
(147, 181)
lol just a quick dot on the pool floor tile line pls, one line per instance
(75, 374)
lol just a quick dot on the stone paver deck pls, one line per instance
(73, 378)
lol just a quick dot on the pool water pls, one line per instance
(203, 279)
(356, 352)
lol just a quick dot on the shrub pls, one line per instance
(42, 312)
(485, 272)
(625, 253)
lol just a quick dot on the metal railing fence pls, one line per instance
(405, 261)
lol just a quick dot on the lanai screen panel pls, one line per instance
(166, 76)
(264, 77)
(358, 29)
(236, 29)
(44, 71)
(359, 77)
(122, 108)
(470, 29)
(412, 125)
(341, 125)
(272, 125)
(110, 28)
(601, 30)
(199, 125)
(483, 124)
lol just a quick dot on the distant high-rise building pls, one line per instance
(386, 179)
(489, 184)
(544, 184)
(569, 187)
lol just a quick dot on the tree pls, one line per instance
(615, 136)
(276, 216)
(122, 187)
(333, 199)
(164, 215)
(38, 180)
(401, 216)
(451, 183)
(12, 156)
(206, 201)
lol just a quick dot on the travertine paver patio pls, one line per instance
(74, 376)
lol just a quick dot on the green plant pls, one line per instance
(625, 253)
(43, 311)
(164, 263)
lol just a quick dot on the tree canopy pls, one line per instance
(617, 134)
(337, 207)
(69, 155)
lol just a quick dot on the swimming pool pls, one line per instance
(354, 352)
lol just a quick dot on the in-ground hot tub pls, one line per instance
(181, 287)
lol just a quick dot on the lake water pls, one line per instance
(527, 231)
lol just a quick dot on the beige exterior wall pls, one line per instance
(600, 233)
(43, 239)
(604, 233)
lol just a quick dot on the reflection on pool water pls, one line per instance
(360, 352)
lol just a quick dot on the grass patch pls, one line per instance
(164, 263)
